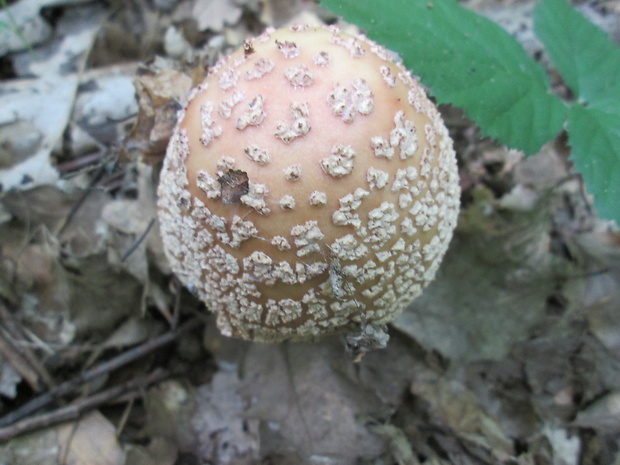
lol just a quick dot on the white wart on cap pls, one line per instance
(310, 186)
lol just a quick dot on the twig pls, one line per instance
(82, 162)
(123, 359)
(136, 244)
(123, 421)
(76, 207)
(31, 338)
(176, 312)
(73, 411)
(15, 332)
(10, 353)
(95, 180)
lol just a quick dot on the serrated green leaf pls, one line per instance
(586, 58)
(468, 61)
(594, 136)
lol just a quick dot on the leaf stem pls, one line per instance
(17, 30)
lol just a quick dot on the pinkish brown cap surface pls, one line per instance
(310, 186)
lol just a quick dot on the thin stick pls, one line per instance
(15, 332)
(136, 244)
(176, 312)
(103, 368)
(124, 417)
(76, 207)
(10, 353)
(81, 162)
(73, 411)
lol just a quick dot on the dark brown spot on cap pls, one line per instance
(248, 48)
(235, 184)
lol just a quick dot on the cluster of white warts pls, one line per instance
(374, 257)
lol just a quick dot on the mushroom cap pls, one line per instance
(310, 186)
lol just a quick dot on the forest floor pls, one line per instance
(511, 356)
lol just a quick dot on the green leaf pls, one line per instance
(594, 136)
(586, 58)
(468, 61)
(589, 62)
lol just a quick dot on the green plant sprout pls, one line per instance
(470, 62)
(13, 26)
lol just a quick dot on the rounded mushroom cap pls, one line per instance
(310, 186)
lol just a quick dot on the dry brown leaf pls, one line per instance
(215, 14)
(9, 379)
(101, 296)
(604, 414)
(83, 285)
(66, 52)
(565, 445)
(106, 102)
(309, 400)
(134, 331)
(225, 435)
(450, 404)
(132, 216)
(170, 409)
(599, 252)
(90, 441)
(74, 216)
(161, 93)
(398, 446)
(21, 104)
(135, 244)
(40, 448)
(36, 284)
(160, 451)
(493, 285)
(390, 371)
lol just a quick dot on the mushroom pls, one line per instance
(310, 186)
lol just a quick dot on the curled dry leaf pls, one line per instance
(160, 95)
